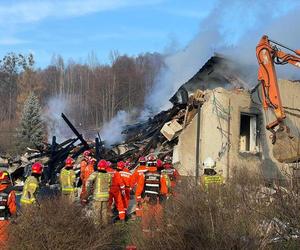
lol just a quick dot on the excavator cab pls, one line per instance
(286, 147)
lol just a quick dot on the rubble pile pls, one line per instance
(158, 134)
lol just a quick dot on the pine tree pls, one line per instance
(31, 129)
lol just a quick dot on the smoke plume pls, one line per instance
(111, 131)
(55, 124)
(233, 28)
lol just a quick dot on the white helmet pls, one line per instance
(209, 163)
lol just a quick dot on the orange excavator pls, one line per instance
(268, 53)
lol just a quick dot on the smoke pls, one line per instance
(52, 116)
(233, 28)
(111, 132)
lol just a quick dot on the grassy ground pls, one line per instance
(239, 215)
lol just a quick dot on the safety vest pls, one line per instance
(4, 209)
(30, 189)
(167, 178)
(152, 184)
(171, 173)
(212, 179)
(67, 181)
(102, 186)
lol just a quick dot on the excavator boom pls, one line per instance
(268, 54)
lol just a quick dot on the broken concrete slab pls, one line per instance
(171, 130)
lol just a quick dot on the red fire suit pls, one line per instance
(139, 171)
(85, 171)
(117, 190)
(126, 177)
(8, 208)
(153, 187)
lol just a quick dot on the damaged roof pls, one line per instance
(218, 71)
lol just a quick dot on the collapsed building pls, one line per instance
(218, 114)
(215, 114)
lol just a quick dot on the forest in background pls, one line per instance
(94, 92)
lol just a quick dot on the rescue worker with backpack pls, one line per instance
(210, 176)
(151, 189)
(32, 185)
(8, 207)
(68, 180)
(98, 184)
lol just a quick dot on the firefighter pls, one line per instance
(210, 176)
(32, 185)
(139, 171)
(126, 176)
(99, 183)
(160, 170)
(109, 167)
(151, 189)
(172, 173)
(68, 180)
(117, 191)
(86, 169)
(8, 207)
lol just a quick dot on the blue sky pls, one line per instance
(74, 28)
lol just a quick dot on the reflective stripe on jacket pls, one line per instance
(30, 189)
(142, 188)
(168, 181)
(7, 203)
(67, 180)
(100, 183)
(126, 177)
(208, 180)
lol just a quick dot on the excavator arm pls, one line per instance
(268, 54)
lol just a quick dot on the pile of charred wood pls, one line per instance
(158, 134)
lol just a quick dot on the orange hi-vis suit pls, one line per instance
(86, 170)
(138, 172)
(8, 208)
(117, 189)
(151, 188)
(126, 177)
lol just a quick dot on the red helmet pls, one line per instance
(121, 165)
(159, 163)
(102, 165)
(69, 162)
(152, 160)
(168, 159)
(86, 153)
(4, 177)
(37, 168)
(142, 160)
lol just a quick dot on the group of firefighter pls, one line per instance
(105, 187)
(151, 183)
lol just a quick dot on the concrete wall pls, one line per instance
(290, 96)
(214, 128)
